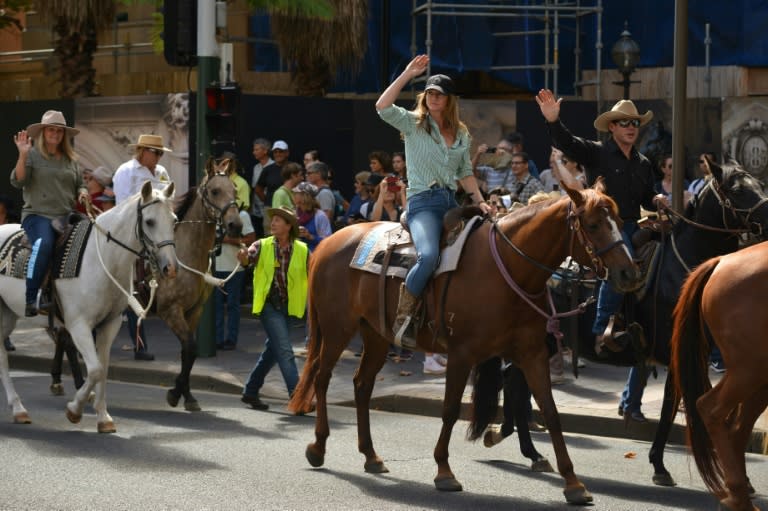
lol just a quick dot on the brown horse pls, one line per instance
(723, 302)
(206, 213)
(486, 317)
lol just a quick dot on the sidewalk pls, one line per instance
(586, 405)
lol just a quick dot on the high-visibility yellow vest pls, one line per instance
(297, 277)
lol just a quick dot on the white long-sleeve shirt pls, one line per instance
(131, 175)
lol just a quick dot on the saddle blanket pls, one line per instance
(14, 255)
(370, 252)
(69, 257)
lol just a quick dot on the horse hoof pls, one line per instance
(492, 437)
(542, 465)
(74, 418)
(376, 467)
(22, 418)
(314, 459)
(577, 495)
(663, 480)
(172, 398)
(191, 405)
(57, 389)
(448, 484)
(106, 427)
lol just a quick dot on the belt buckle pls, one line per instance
(434, 184)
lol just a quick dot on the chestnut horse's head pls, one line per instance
(594, 219)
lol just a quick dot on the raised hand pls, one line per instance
(22, 141)
(549, 106)
(417, 66)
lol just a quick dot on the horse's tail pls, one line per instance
(301, 400)
(690, 345)
(487, 381)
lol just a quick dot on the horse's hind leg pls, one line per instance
(331, 341)
(373, 359)
(661, 475)
(537, 375)
(517, 392)
(456, 380)
(7, 324)
(750, 412)
(183, 326)
(719, 414)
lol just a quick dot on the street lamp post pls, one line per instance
(626, 55)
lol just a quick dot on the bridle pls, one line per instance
(149, 247)
(214, 213)
(577, 232)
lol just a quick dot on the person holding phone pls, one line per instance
(391, 200)
(437, 146)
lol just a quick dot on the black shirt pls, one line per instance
(629, 181)
(271, 179)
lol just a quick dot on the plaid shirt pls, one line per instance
(280, 281)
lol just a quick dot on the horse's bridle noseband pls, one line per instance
(595, 256)
(725, 203)
(215, 213)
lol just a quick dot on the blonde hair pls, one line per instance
(362, 177)
(64, 145)
(538, 197)
(450, 117)
(305, 199)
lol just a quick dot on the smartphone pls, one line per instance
(490, 150)
(392, 185)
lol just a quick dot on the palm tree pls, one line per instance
(76, 24)
(317, 40)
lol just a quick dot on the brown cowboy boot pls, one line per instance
(404, 329)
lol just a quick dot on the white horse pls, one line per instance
(95, 300)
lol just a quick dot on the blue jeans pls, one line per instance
(425, 221)
(277, 349)
(231, 299)
(42, 237)
(632, 395)
(609, 300)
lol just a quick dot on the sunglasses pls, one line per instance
(626, 123)
(158, 152)
(518, 163)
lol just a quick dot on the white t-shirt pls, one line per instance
(131, 175)
(227, 260)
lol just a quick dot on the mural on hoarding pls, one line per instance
(745, 134)
(108, 125)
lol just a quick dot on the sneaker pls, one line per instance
(30, 310)
(432, 366)
(718, 366)
(405, 355)
(638, 416)
(8, 344)
(440, 359)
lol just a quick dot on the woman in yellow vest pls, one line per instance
(279, 291)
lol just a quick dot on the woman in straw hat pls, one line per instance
(279, 291)
(49, 176)
(629, 180)
(437, 150)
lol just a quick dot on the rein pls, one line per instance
(552, 317)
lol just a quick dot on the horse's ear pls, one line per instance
(210, 166)
(716, 170)
(600, 184)
(574, 194)
(146, 191)
(168, 191)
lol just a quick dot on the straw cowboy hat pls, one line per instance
(51, 118)
(288, 215)
(624, 109)
(151, 142)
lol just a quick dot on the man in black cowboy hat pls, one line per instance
(629, 181)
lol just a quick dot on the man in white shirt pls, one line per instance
(127, 181)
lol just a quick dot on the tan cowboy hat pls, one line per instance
(51, 118)
(288, 215)
(151, 142)
(624, 109)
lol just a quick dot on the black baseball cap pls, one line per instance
(440, 83)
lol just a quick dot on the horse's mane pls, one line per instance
(184, 203)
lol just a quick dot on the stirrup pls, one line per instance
(610, 340)
(403, 340)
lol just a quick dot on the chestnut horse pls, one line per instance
(732, 203)
(486, 316)
(723, 302)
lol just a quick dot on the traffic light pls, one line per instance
(180, 32)
(223, 102)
